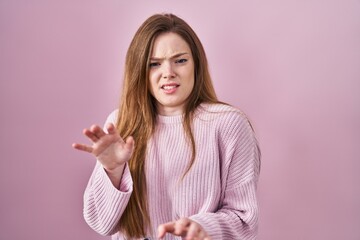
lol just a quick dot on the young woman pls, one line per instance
(172, 162)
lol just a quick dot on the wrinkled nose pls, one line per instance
(168, 71)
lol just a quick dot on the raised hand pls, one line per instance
(185, 228)
(109, 148)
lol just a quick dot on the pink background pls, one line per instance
(292, 66)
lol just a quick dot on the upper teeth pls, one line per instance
(169, 87)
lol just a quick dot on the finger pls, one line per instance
(184, 221)
(181, 226)
(82, 147)
(193, 231)
(129, 143)
(164, 228)
(179, 229)
(113, 131)
(98, 132)
(111, 128)
(202, 235)
(90, 135)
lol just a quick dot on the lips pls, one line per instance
(169, 86)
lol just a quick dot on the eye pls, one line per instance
(154, 64)
(182, 60)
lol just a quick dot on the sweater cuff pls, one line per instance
(103, 203)
(126, 184)
(211, 227)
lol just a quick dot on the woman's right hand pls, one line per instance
(109, 148)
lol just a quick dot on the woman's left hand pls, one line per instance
(184, 227)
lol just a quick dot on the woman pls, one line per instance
(172, 162)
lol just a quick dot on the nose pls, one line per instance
(168, 71)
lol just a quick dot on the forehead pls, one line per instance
(168, 44)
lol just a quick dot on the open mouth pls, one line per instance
(169, 86)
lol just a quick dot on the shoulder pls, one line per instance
(224, 113)
(231, 123)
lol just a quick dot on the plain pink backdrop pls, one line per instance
(292, 66)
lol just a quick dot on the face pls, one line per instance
(171, 73)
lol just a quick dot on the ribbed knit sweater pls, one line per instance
(219, 191)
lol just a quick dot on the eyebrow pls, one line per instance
(172, 57)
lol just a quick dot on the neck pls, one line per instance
(170, 111)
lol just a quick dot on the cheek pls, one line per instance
(191, 86)
(191, 77)
(152, 81)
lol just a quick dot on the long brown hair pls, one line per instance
(137, 110)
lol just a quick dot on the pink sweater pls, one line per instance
(219, 191)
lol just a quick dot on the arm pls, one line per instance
(110, 185)
(103, 203)
(237, 217)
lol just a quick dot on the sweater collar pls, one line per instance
(170, 119)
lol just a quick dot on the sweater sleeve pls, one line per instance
(237, 216)
(103, 203)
